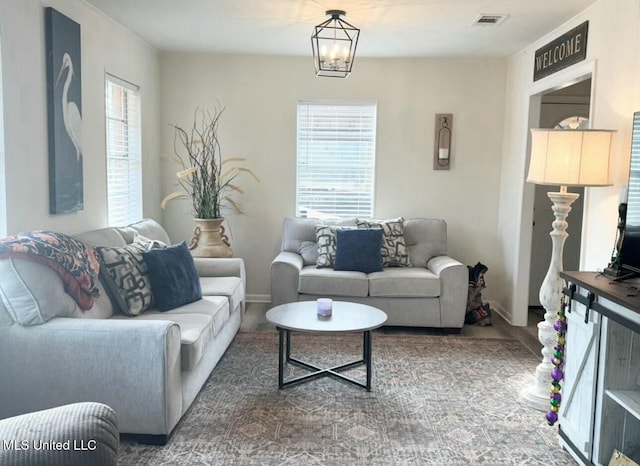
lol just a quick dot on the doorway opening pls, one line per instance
(564, 108)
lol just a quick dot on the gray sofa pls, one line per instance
(148, 368)
(78, 434)
(430, 293)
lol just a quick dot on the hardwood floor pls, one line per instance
(254, 320)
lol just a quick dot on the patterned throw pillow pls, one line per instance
(148, 244)
(394, 249)
(126, 278)
(327, 244)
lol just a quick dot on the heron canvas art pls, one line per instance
(64, 93)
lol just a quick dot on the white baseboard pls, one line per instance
(258, 298)
(494, 305)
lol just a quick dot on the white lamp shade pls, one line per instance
(570, 157)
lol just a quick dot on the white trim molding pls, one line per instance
(258, 298)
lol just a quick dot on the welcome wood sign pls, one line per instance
(562, 52)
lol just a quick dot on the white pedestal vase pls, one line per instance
(537, 394)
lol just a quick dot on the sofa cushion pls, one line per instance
(329, 282)
(102, 237)
(76, 263)
(299, 236)
(394, 249)
(406, 282)
(425, 238)
(126, 278)
(216, 306)
(148, 228)
(32, 294)
(207, 305)
(199, 323)
(173, 275)
(230, 287)
(359, 250)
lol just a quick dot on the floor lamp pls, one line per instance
(562, 157)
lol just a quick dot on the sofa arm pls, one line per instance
(454, 278)
(132, 366)
(285, 273)
(87, 433)
(220, 267)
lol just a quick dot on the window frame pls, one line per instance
(131, 120)
(362, 140)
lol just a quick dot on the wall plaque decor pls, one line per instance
(569, 48)
(442, 139)
(64, 112)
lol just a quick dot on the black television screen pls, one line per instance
(630, 249)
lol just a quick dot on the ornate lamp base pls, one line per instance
(537, 394)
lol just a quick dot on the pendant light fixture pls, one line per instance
(334, 45)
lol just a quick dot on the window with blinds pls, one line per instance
(336, 159)
(633, 200)
(124, 152)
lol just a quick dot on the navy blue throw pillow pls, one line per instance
(174, 278)
(359, 250)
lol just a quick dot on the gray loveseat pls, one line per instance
(430, 293)
(148, 368)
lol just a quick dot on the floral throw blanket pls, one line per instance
(76, 264)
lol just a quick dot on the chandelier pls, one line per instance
(334, 45)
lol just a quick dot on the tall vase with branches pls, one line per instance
(208, 180)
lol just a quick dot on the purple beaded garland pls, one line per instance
(557, 374)
(560, 326)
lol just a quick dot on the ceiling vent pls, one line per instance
(489, 20)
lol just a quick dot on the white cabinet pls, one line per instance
(600, 408)
(618, 410)
(581, 366)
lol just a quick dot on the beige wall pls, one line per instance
(106, 47)
(482, 198)
(614, 32)
(260, 94)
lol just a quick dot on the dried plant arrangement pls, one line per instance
(204, 176)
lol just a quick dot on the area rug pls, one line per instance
(441, 400)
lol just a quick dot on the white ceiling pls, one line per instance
(389, 28)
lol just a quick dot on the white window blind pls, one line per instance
(336, 159)
(633, 201)
(124, 152)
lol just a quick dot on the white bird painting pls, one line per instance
(70, 112)
(64, 108)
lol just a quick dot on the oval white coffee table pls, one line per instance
(346, 317)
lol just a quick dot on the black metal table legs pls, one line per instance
(284, 357)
